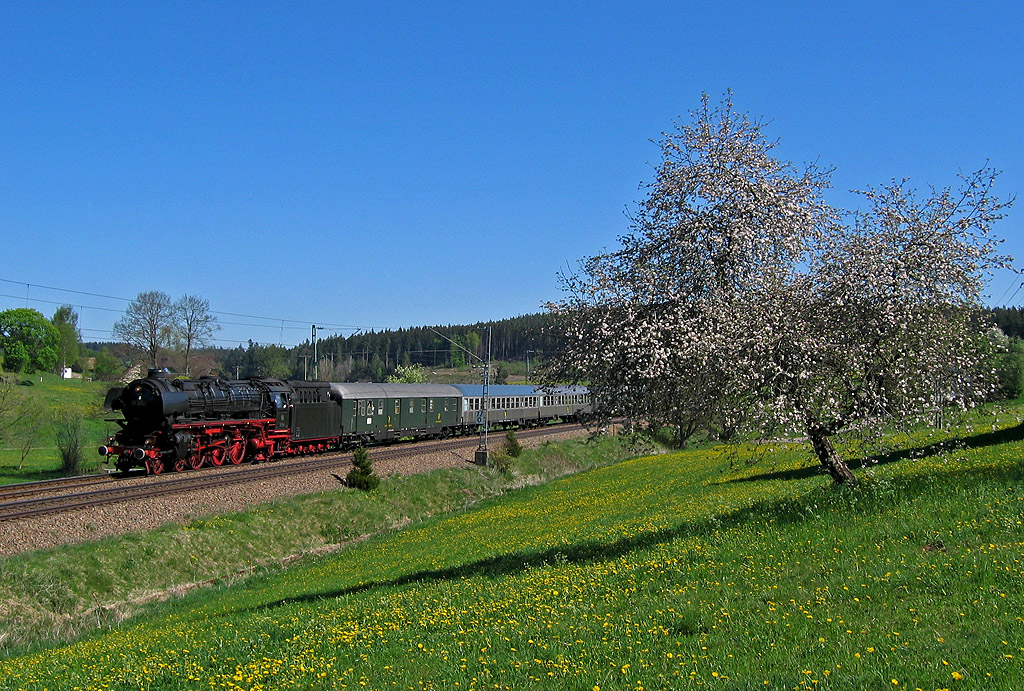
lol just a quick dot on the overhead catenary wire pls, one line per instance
(279, 323)
(1010, 301)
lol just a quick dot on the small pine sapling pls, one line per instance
(361, 476)
(512, 446)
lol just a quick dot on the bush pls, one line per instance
(69, 435)
(500, 461)
(1009, 368)
(512, 446)
(361, 476)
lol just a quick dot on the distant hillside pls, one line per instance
(1010, 320)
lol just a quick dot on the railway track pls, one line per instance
(71, 494)
(29, 489)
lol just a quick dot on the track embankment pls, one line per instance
(130, 512)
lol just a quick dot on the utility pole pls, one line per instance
(483, 453)
(316, 368)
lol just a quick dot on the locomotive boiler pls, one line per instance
(180, 423)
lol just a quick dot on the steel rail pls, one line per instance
(230, 475)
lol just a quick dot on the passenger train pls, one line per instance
(173, 423)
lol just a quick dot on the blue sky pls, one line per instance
(380, 165)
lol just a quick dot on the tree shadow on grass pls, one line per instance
(778, 512)
(976, 441)
(512, 563)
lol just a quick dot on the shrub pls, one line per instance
(500, 460)
(1009, 368)
(69, 435)
(361, 476)
(512, 446)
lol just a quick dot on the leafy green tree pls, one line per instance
(456, 352)
(29, 340)
(16, 356)
(411, 374)
(108, 367)
(65, 320)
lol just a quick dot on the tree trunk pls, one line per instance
(830, 460)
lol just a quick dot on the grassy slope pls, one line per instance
(660, 572)
(54, 392)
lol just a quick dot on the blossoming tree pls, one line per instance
(741, 301)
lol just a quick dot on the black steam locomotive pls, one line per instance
(172, 423)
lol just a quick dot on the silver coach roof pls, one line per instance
(368, 390)
(518, 390)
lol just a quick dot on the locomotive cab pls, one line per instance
(281, 403)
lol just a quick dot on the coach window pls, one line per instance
(412, 405)
(361, 408)
(398, 406)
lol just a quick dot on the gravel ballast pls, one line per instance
(143, 514)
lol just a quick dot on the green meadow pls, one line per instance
(700, 568)
(54, 394)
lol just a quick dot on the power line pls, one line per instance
(1010, 301)
(280, 323)
(62, 290)
(55, 302)
(1002, 299)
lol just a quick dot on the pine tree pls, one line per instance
(361, 476)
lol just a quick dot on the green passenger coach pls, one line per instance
(382, 412)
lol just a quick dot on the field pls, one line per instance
(54, 394)
(684, 570)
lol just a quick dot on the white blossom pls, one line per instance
(741, 302)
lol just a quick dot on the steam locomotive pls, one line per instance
(180, 424)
